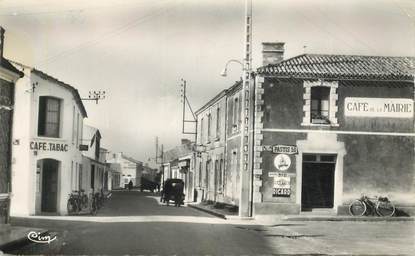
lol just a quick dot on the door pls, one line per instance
(93, 177)
(216, 180)
(49, 185)
(317, 181)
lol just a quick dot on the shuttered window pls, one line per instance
(49, 116)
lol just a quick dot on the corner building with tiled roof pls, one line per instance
(329, 128)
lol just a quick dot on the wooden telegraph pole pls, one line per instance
(245, 207)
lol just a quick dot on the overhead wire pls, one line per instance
(12, 10)
(323, 30)
(127, 26)
(342, 28)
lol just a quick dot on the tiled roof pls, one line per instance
(343, 66)
(131, 159)
(222, 93)
(65, 85)
(177, 152)
(4, 63)
(45, 76)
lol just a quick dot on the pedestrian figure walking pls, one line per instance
(130, 185)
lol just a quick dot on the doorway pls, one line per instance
(49, 195)
(92, 177)
(317, 181)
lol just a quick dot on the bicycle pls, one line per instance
(381, 206)
(92, 204)
(98, 200)
(83, 199)
(74, 203)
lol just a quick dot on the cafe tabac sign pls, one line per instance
(48, 146)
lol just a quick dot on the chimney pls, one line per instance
(272, 53)
(1, 43)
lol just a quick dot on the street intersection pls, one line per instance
(136, 223)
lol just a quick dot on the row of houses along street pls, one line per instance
(47, 150)
(326, 129)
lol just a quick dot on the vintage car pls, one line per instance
(173, 190)
(147, 184)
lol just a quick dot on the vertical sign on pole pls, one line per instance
(244, 200)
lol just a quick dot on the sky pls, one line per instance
(139, 50)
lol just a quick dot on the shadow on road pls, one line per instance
(135, 203)
(145, 238)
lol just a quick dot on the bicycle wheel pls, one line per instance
(93, 207)
(357, 208)
(71, 206)
(386, 209)
(84, 201)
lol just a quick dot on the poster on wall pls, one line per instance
(282, 162)
(282, 186)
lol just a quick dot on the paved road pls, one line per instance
(135, 223)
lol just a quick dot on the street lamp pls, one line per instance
(224, 72)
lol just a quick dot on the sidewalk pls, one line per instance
(220, 213)
(15, 236)
(225, 214)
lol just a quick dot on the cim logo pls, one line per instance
(40, 238)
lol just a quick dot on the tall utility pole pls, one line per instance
(185, 102)
(157, 150)
(245, 207)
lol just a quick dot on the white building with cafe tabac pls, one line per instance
(47, 133)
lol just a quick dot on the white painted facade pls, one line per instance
(94, 168)
(129, 168)
(31, 153)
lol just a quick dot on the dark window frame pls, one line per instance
(46, 126)
(318, 95)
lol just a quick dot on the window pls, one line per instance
(217, 123)
(218, 175)
(201, 131)
(200, 173)
(208, 127)
(80, 177)
(72, 183)
(49, 116)
(320, 105)
(316, 158)
(222, 175)
(97, 145)
(207, 174)
(93, 176)
(77, 130)
(235, 114)
(73, 125)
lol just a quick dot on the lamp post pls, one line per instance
(224, 72)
